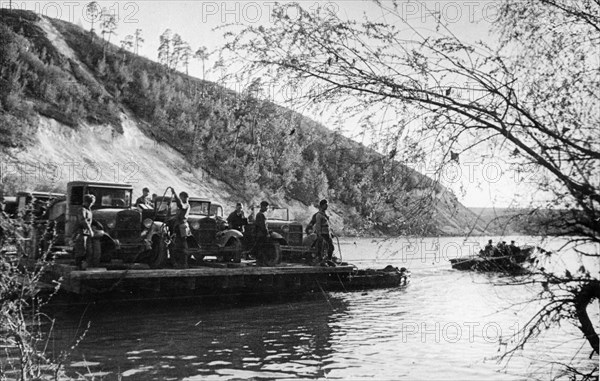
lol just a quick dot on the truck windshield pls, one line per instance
(277, 214)
(216, 210)
(111, 197)
(196, 207)
(199, 207)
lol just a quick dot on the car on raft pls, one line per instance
(286, 232)
(120, 231)
(36, 202)
(31, 208)
(211, 235)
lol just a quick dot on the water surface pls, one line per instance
(446, 324)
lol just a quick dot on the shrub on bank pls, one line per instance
(24, 331)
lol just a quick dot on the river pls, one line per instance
(445, 324)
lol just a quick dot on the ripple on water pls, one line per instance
(131, 372)
(228, 374)
(216, 363)
(83, 364)
(419, 332)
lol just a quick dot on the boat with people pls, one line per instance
(501, 258)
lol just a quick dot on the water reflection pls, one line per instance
(289, 340)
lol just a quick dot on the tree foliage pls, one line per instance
(202, 55)
(173, 51)
(530, 97)
(139, 40)
(35, 76)
(244, 139)
(25, 330)
(108, 24)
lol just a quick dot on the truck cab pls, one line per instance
(210, 233)
(36, 203)
(10, 206)
(287, 232)
(32, 208)
(128, 237)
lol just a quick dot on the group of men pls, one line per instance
(501, 249)
(319, 225)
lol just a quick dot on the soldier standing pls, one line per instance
(237, 219)
(182, 230)
(322, 230)
(83, 233)
(144, 199)
(261, 233)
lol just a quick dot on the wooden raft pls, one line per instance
(197, 281)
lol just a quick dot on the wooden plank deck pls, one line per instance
(102, 273)
(201, 280)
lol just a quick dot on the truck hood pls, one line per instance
(104, 216)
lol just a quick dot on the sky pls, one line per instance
(476, 182)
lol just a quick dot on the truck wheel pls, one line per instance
(158, 253)
(233, 251)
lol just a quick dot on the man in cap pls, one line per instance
(237, 219)
(513, 249)
(321, 228)
(82, 246)
(182, 229)
(144, 200)
(488, 250)
(261, 233)
(260, 222)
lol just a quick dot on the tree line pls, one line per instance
(257, 147)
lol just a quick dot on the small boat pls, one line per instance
(507, 263)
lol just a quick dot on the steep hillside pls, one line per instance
(99, 112)
(60, 154)
(530, 221)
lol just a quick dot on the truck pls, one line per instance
(36, 202)
(31, 208)
(287, 232)
(128, 237)
(210, 234)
